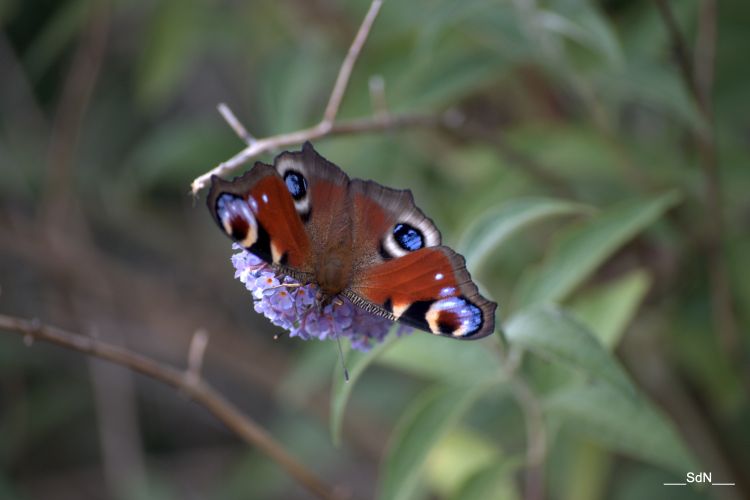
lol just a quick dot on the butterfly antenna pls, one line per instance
(341, 358)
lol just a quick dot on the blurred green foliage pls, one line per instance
(576, 185)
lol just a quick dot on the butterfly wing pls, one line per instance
(387, 224)
(257, 211)
(430, 289)
(402, 270)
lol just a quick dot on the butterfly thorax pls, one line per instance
(334, 271)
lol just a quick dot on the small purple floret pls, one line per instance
(294, 308)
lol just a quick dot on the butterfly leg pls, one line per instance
(322, 299)
(283, 285)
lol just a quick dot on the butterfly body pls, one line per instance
(351, 238)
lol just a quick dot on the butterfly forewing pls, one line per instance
(387, 224)
(257, 211)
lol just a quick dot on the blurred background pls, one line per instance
(618, 128)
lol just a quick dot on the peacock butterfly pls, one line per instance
(353, 238)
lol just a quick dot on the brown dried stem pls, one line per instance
(239, 129)
(699, 80)
(186, 382)
(342, 80)
(71, 110)
(380, 120)
(325, 127)
(536, 438)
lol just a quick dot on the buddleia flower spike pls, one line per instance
(292, 306)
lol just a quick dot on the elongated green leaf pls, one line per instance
(428, 419)
(494, 482)
(56, 36)
(551, 333)
(602, 36)
(308, 375)
(582, 250)
(592, 461)
(434, 81)
(608, 309)
(356, 362)
(584, 25)
(441, 358)
(630, 425)
(457, 456)
(170, 45)
(493, 228)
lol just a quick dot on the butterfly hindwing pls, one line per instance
(429, 289)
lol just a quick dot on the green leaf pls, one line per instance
(587, 27)
(494, 482)
(356, 362)
(457, 456)
(308, 375)
(175, 152)
(551, 333)
(171, 43)
(580, 251)
(602, 36)
(426, 421)
(593, 462)
(434, 357)
(494, 227)
(286, 101)
(608, 309)
(443, 76)
(630, 425)
(49, 46)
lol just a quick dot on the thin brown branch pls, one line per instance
(197, 351)
(74, 101)
(356, 126)
(195, 388)
(327, 125)
(259, 366)
(380, 121)
(700, 80)
(705, 53)
(679, 46)
(342, 80)
(377, 96)
(536, 438)
(237, 126)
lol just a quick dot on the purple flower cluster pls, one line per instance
(294, 309)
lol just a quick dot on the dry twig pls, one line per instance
(186, 382)
(327, 125)
(536, 438)
(380, 120)
(699, 79)
(71, 109)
